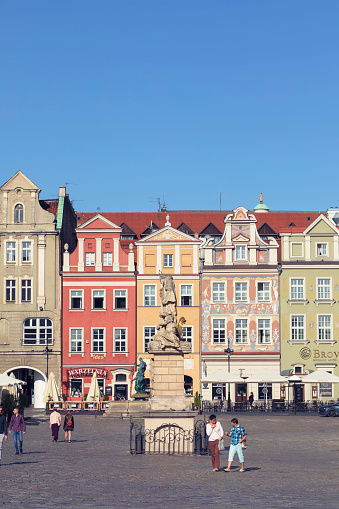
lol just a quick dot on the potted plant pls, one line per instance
(197, 402)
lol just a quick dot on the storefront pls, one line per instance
(79, 380)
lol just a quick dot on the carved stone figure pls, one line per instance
(169, 333)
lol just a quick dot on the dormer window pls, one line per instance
(19, 213)
(240, 252)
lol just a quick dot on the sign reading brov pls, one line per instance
(306, 353)
(87, 372)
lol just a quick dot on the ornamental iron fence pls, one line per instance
(168, 439)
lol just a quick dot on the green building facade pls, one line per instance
(309, 291)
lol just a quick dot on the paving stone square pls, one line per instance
(291, 462)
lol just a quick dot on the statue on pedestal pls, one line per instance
(139, 379)
(169, 332)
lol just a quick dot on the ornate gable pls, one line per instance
(99, 222)
(168, 234)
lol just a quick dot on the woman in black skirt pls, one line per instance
(68, 426)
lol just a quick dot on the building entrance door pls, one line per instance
(241, 393)
(120, 392)
(298, 393)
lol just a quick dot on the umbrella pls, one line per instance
(9, 380)
(319, 377)
(11, 388)
(222, 376)
(94, 392)
(265, 377)
(51, 392)
(6, 380)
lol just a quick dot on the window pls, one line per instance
(186, 295)
(219, 331)
(324, 289)
(325, 390)
(263, 292)
(322, 250)
(240, 252)
(241, 331)
(107, 259)
(76, 340)
(264, 389)
(101, 384)
(76, 387)
(324, 327)
(149, 332)
(10, 252)
(168, 260)
(298, 370)
(26, 253)
(120, 299)
(98, 299)
(241, 292)
(297, 328)
(26, 290)
(149, 295)
(297, 289)
(188, 385)
(10, 290)
(187, 334)
(77, 299)
(98, 341)
(19, 213)
(264, 331)
(89, 259)
(120, 341)
(38, 331)
(218, 290)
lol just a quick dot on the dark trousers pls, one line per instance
(214, 448)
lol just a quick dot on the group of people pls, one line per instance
(216, 434)
(17, 427)
(55, 423)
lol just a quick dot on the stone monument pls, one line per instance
(167, 367)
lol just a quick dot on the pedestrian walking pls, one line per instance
(68, 426)
(215, 433)
(250, 400)
(18, 427)
(238, 435)
(54, 424)
(3, 431)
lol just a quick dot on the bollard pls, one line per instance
(139, 443)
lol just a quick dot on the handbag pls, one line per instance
(244, 443)
(221, 445)
(69, 424)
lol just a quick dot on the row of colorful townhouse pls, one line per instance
(80, 294)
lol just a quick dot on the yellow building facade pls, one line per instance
(169, 251)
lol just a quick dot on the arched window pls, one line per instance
(188, 385)
(37, 331)
(19, 213)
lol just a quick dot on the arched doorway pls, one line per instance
(121, 384)
(35, 384)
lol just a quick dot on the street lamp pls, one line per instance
(47, 351)
(229, 352)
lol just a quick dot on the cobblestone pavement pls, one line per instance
(291, 461)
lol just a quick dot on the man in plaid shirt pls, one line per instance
(17, 424)
(238, 435)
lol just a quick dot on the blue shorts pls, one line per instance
(236, 449)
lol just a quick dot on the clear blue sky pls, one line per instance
(131, 100)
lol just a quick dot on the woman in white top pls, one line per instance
(215, 433)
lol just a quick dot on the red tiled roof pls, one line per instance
(50, 205)
(197, 220)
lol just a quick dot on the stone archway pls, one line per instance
(36, 383)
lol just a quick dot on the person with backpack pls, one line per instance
(68, 426)
(18, 426)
